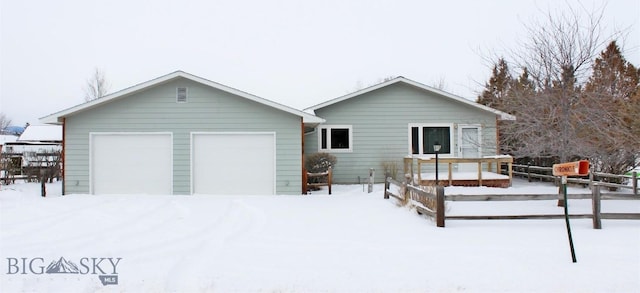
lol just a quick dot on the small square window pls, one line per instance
(340, 138)
(335, 138)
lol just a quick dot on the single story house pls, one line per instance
(378, 126)
(182, 134)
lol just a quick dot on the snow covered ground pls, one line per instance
(350, 241)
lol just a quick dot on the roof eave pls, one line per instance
(501, 115)
(57, 118)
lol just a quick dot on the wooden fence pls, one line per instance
(533, 172)
(428, 200)
(418, 197)
(319, 179)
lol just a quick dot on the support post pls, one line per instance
(329, 178)
(437, 181)
(305, 189)
(404, 193)
(386, 187)
(634, 181)
(595, 204)
(43, 186)
(561, 202)
(372, 173)
(440, 206)
(566, 218)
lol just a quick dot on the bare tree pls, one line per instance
(4, 122)
(440, 84)
(96, 87)
(557, 57)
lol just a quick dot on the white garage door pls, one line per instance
(139, 163)
(233, 163)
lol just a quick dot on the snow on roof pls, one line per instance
(42, 133)
(7, 138)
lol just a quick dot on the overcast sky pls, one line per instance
(298, 53)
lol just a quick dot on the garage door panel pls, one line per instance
(237, 163)
(131, 163)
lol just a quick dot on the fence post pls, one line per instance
(386, 187)
(440, 206)
(372, 173)
(560, 195)
(635, 182)
(329, 177)
(595, 199)
(405, 193)
(529, 173)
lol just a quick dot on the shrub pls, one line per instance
(319, 162)
(390, 169)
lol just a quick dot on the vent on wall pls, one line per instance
(181, 95)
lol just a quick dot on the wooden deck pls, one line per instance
(483, 176)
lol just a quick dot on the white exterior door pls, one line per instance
(131, 163)
(469, 146)
(233, 163)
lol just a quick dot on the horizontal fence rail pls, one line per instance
(427, 201)
(533, 172)
(430, 201)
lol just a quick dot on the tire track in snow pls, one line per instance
(179, 241)
(80, 238)
(240, 220)
(35, 223)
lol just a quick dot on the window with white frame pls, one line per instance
(335, 138)
(422, 137)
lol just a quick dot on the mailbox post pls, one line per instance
(579, 168)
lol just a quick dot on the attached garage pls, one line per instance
(181, 134)
(233, 163)
(131, 163)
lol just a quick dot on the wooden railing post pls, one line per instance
(479, 173)
(440, 206)
(330, 178)
(634, 181)
(595, 203)
(386, 187)
(371, 176)
(405, 193)
(529, 173)
(561, 202)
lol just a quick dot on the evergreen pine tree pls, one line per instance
(496, 90)
(611, 128)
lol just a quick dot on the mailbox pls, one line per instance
(578, 168)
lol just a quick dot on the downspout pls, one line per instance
(64, 126)
(304, 172)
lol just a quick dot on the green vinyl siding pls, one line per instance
(380, 124)
(207, 109)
